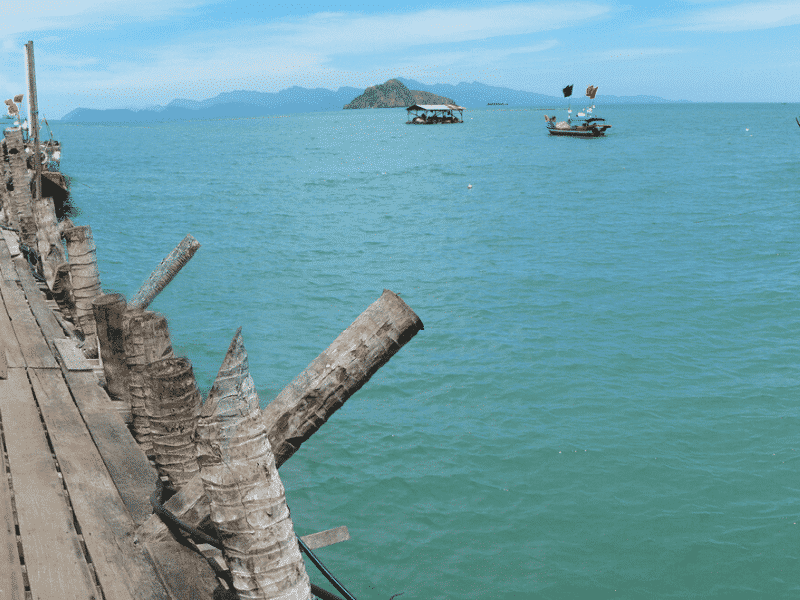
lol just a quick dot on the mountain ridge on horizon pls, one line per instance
(296, 99)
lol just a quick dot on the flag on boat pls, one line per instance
(591, 91)
(567, 91)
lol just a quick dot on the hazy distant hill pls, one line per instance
(228, 104)
(297, 99)
(394, 94)
(475, 95)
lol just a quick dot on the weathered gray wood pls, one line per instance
(109, 310)
(146, 340)
(70, 356)
(184, 572)
(85, 280)
(327, 537)
(12, 241)
(336, 374)
(373, 338)
(248, 502)
(13, 351)
(11, 584)
(32, 344)
(21, 214)
(7, 270)
(62, 291)
(36, 301)
(48, 239)
(122, 567)
(53, 556)
(130, 470)
(3, 360)
(33, 121)
(173, 410)
(165, 272)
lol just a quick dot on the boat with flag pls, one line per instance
(583, 124)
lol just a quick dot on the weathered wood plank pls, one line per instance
(31, 341)
(53, 556)
(7, 270)
(327, 537)
(130, 470)
(36, 301)
(3, 360)
(122, 567)
(11, 584)
(183, 571)
(12, 241)
(70, 357)
(13, 351)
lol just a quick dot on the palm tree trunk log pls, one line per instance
(173, 410)
(168, 268)
(85, 279)
(359, 351)
(109, 310)
(146, 338)
(247, 498)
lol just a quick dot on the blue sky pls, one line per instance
(138, 53)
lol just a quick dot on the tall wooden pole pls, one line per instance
(33, 121)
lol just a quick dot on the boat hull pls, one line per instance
(582, 133)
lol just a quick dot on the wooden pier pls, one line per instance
(97, 417)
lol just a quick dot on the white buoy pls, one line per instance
(470, 186)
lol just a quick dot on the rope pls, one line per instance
(170, 519)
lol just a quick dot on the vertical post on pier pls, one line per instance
(62, 291)
(173, 410)
(33, 121)
(146, 339)
(85, 281)
(248, 502)
(109, 310)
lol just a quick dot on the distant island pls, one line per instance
(243, 104)
(393, 94)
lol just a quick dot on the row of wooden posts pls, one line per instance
(221, 456)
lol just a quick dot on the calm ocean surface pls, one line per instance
(604, 401)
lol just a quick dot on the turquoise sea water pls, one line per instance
(604, 401)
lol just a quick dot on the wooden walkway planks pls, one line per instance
(12, 586)
(53, 556)
(7, 270)
(122, 567)
(36, 302)
(130, 470)
(31, 341)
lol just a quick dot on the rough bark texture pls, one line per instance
(62, 291)
(48, 239)
(336, 374)
(146, 340)
(21, 213)
(168, 268)
(248, 503)
(109, 310)
(380, 331)
(173, 410)
(85, 279)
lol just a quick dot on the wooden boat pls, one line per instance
(584, 124)
(579, 127)
(433, 114)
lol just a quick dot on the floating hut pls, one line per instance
(119, 481)
(432, 114)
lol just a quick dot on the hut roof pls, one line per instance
(435, 107)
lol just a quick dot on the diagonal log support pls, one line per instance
(165, 272)
(314, 395)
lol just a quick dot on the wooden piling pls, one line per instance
(62, 291)
(146, 341)
(48, 239)
(85, 281)
(109, 310)
(21, 211)
(173, 410)
(312, 397)
(248, 502)
(165, 272)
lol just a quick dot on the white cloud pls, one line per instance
(635, 53)
(742, 17)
